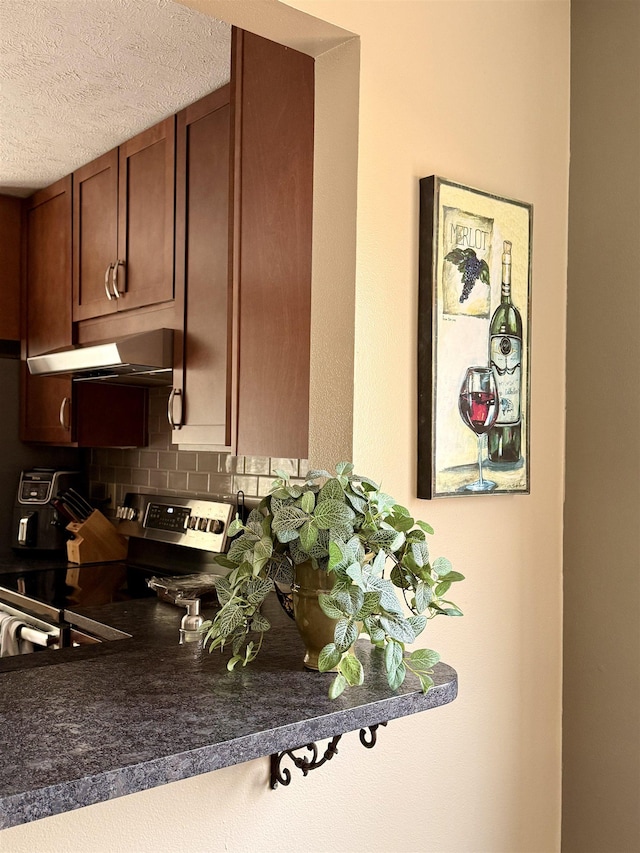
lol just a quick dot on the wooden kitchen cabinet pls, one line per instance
(54, 410)
(273, 198)
(201, 398)
(123, 226)
(10, 231)
(244, 380)
(95, 236)
(46, 316)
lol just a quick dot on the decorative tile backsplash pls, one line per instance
(162, 468)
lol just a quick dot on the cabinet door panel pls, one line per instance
(146, 216)
(47, 414)
(203, 270)
(10, 235)
(47, 312)
(276, 192)
(95, 236)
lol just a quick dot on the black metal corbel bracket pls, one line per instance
(282, 775)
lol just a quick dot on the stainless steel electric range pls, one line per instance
(173, 540)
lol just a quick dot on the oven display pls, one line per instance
(163, 517)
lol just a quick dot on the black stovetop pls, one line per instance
(68, 585)
(50, 578)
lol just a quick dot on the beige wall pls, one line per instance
(602, 545)
(477, 92)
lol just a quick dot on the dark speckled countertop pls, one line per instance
(108, 720)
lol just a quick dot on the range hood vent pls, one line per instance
(142, 359)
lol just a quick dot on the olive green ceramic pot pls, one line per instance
(314, 626)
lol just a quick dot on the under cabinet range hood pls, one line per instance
(142, 359)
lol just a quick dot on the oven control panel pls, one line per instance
(196, 523)
(167, 517)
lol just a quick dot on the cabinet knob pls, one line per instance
(127, 513)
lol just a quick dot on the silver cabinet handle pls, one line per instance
(173, 423)
(106, 281)
(114, 279)
(64, 408)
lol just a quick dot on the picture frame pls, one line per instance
(474, 332)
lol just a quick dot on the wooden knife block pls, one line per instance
(95, 541)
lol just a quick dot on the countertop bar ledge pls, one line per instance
(125, 716)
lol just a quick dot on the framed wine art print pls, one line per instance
(473, 341)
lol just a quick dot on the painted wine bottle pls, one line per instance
(505, 354)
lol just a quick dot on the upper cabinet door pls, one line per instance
(201, 405)
(146, 203)
(48, 274)
(274, 104)
(95, 236)
(10, 238)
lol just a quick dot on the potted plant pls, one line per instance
(350, 554)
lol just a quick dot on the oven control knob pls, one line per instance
(193, 522)
(126, 513)
(215, 525)
(202, 524)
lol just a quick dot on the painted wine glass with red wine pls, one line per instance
(478, 404)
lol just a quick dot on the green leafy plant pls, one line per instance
(377, 552)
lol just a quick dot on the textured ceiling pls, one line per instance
(78, 77)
